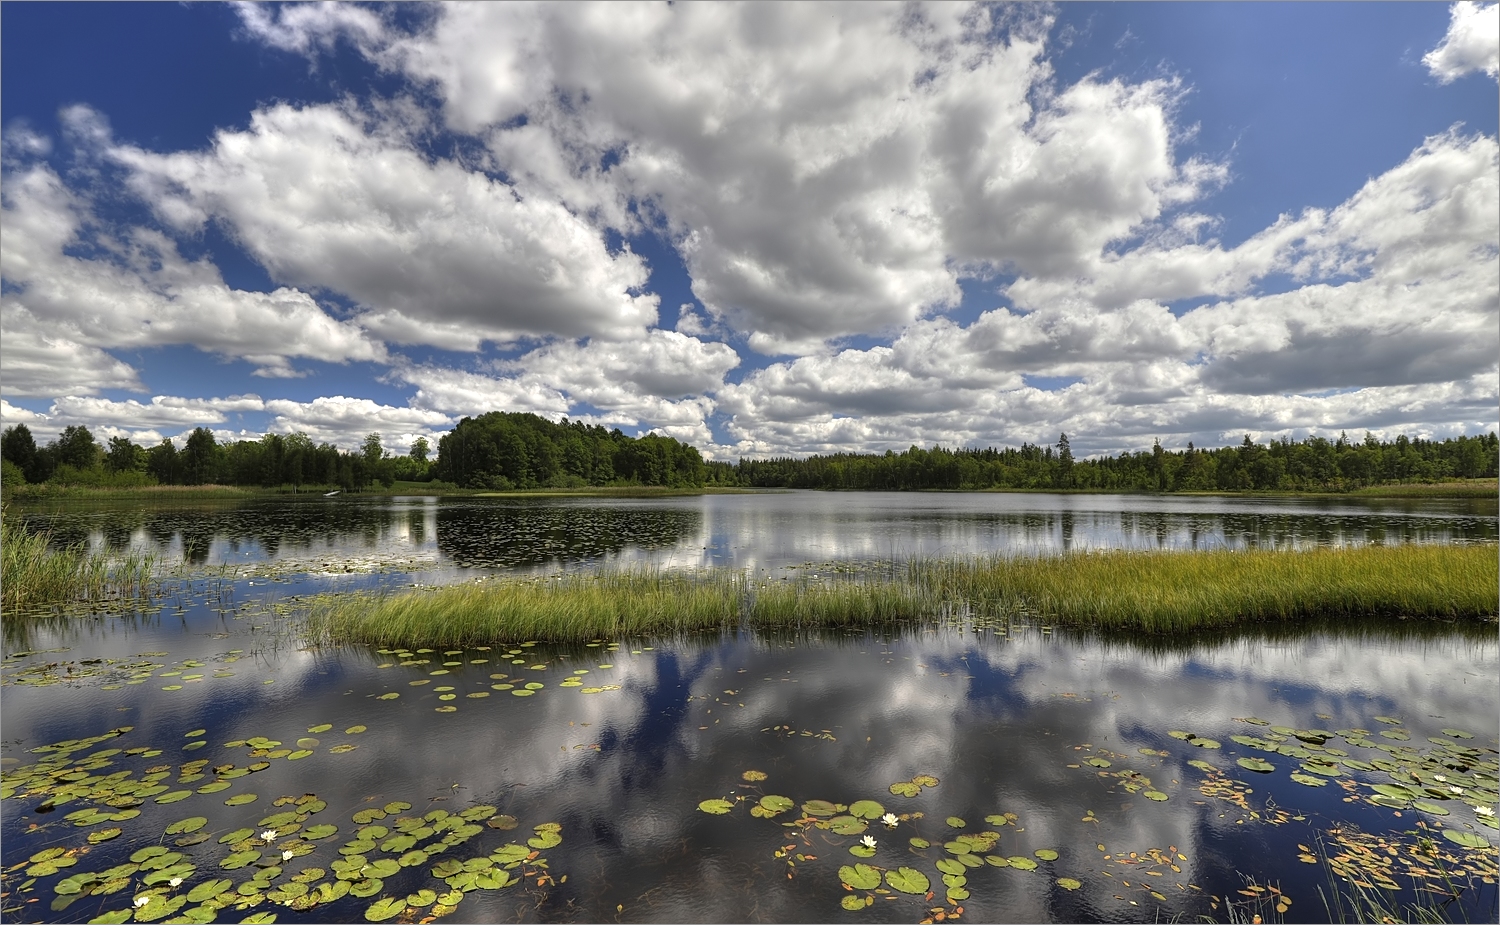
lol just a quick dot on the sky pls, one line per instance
(764, 229)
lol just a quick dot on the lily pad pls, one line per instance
(775, 803)
(854, 903)
(1255, 764)
(753, 776)
(209, 889)
(1068, 883)
(1458, 734)
(860, 876)
(1156, 795)
(383, 909)
(366, 888)
(1204, 743)
(175, 796)
(240, 799)
(905, 788)
(820, 808)
(920, 843)
(908, 880)
(866, 809)
(847, 825)
(190, 824)
(1046, 854)
(716, 807)
(1308, 780)
(1466, 839)
(1022, 863)
(956, 822)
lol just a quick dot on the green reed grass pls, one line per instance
(1160, 593)
(34, 575)
(574, 607)
(1164, 592)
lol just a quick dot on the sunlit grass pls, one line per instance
(1150, 592)
(568, 608)
(1163, 592)
(33, 575)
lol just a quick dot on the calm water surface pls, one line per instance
(626, 744)
(767, 530)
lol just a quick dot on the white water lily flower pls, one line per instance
(142, 900)
(868, 841)
(269, 835)
(175, 882)
(1458, 790)
(287, 855)
(1440, 778)
(889, 819)
(1484, 810)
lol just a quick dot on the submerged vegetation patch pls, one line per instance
(1143, 591)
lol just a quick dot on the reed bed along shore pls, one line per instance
(32, 575)
(1151, 592)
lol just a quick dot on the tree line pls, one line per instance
(497, 450)
(1313, 464)
(75, 458)
(503, 450)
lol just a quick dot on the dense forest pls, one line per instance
(1314, 464)
(503, 450)
(497, 450)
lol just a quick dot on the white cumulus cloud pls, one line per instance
(1471, 45)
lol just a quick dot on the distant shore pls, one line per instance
(1468, 488)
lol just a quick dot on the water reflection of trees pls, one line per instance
(278, 528)
(527, 535)
(531, 532)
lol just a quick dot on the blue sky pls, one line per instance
(767, 229)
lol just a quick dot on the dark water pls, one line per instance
(977, 720)
(759, 531)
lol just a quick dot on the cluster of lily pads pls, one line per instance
(180, 874)
(1445, 772)
(866, 823)
(521, 656)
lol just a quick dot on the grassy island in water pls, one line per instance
(1153, 592)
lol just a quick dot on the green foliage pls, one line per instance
(35, 574)
(1314, 464)
(502, 450)
(1140, 591)
(11, 474)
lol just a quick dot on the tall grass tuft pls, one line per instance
(570, 608)
(1165, 592)
(33, 575)
(1140, 592)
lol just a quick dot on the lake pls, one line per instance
(1030, 773)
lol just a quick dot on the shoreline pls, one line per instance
(1472, 488)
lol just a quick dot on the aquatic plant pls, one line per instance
(33, 574)
(1147, 592)
(1163, 592)
(574, 607)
